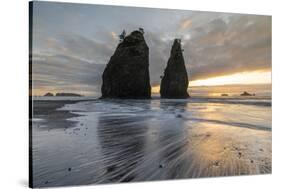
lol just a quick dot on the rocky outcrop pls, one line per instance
(174, 83)
(127, 73)
(68, 94)
(245, 93)
(49, 94)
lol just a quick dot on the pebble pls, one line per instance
(240, 154)
(216, 163)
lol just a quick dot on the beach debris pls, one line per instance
(179, 116)
(239, 154)
(261, 149)
(252, 161)
(161, 165)
(216, 163)
(69, 169)
(224, 94)
(46, 182)
(110, 168)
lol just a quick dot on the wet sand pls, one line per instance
(95, 142)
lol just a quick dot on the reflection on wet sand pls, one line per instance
(46, 111)
(122, 143)
(145, 140)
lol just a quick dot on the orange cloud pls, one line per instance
(185, 23)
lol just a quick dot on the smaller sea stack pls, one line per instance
(174, 83)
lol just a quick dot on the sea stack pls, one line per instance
(174, 83)
(127, 73)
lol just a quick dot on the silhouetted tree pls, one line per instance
(178, 40)
(122, 36)
(141, 30)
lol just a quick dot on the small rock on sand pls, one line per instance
(111, 168)
(216, 163)
(179, 116)
(239, 154)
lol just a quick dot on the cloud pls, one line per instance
(221, 48)
(72, 54)
(185, 23)
(114, 35)
(69, 61)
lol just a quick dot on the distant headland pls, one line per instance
(62, 94)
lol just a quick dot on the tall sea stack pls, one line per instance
(127, 73)
(174, 83)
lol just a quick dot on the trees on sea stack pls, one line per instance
(174, 83)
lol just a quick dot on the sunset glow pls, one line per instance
(243, 78)
(238, 78)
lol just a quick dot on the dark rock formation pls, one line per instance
(67, 94)
(174, 83)
(245, 93)
(126, 74)
(49, 94)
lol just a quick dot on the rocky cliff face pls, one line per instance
(127, 72)
(174, 83)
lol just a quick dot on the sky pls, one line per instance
(72, 43)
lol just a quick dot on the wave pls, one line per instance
(247, 101)
(235, 124)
